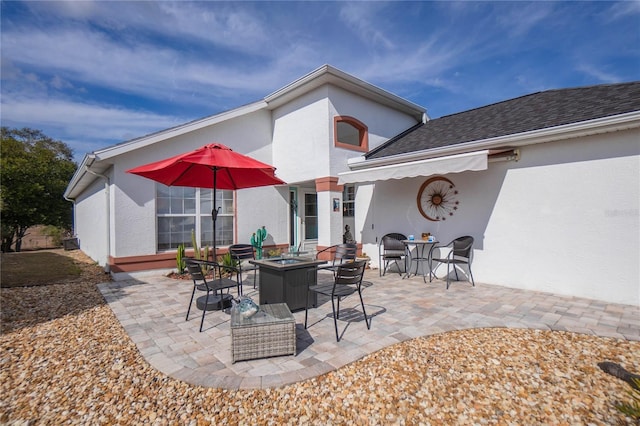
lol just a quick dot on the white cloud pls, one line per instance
(223, 26)
(519, 19)
(601, 75)
(60, 83)
(94, 125)
(143, 69)
(67, 9)
(623, 9)
(473, 33)
(364, 20)
(83, 55)
(216, 23)
(213, 56)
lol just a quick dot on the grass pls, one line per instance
(35, 269)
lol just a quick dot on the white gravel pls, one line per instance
(68, 361)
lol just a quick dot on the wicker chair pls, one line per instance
(391, 249)
(460, 253)
(348, 280)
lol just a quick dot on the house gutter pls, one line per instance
(574, 130)
(78, 175)
(108, 208)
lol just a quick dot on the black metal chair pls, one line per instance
(348, 280)
(198, 270)
(391, 249)
(241, 254)
(342, 253)
(461, 250)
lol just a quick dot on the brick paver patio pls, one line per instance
(153, 310)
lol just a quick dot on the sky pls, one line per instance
(96, 73)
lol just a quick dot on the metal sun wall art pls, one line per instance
(437, 199)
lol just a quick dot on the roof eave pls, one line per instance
(568, 131)
(105, 154)
(141, 142)
(88, 171)
(327, 74)
(69, 193)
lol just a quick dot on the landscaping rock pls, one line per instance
(72, 362)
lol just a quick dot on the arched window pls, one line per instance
(350, 133)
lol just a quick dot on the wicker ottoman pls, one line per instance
(270, 332)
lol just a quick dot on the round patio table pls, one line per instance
(420, 247)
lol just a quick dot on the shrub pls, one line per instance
(632, 409)
(180, 259)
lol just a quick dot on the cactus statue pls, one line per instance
(180, 259)
(257, 239)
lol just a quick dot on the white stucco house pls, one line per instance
(548, 184)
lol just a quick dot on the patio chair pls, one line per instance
(342, 253)
(391, 249)
(460, 253)
(242, 254)
(347, 281)
(212, 287)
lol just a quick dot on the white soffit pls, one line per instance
(471, 161)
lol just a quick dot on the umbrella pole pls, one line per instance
(214, 212)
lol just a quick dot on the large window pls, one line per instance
(350, 133)
(349, 201)
(183, 210)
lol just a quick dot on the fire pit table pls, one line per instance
(287, 279)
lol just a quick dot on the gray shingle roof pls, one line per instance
(530, 112)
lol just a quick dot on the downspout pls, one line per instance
(107, 269)
(72, 200)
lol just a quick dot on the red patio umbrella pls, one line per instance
(213, 166)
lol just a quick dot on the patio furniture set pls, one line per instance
(286, 283)
(290, 283)
(395, 247)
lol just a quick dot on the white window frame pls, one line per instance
(348, 204)
(199, 214)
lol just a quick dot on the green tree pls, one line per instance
(34, 172)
